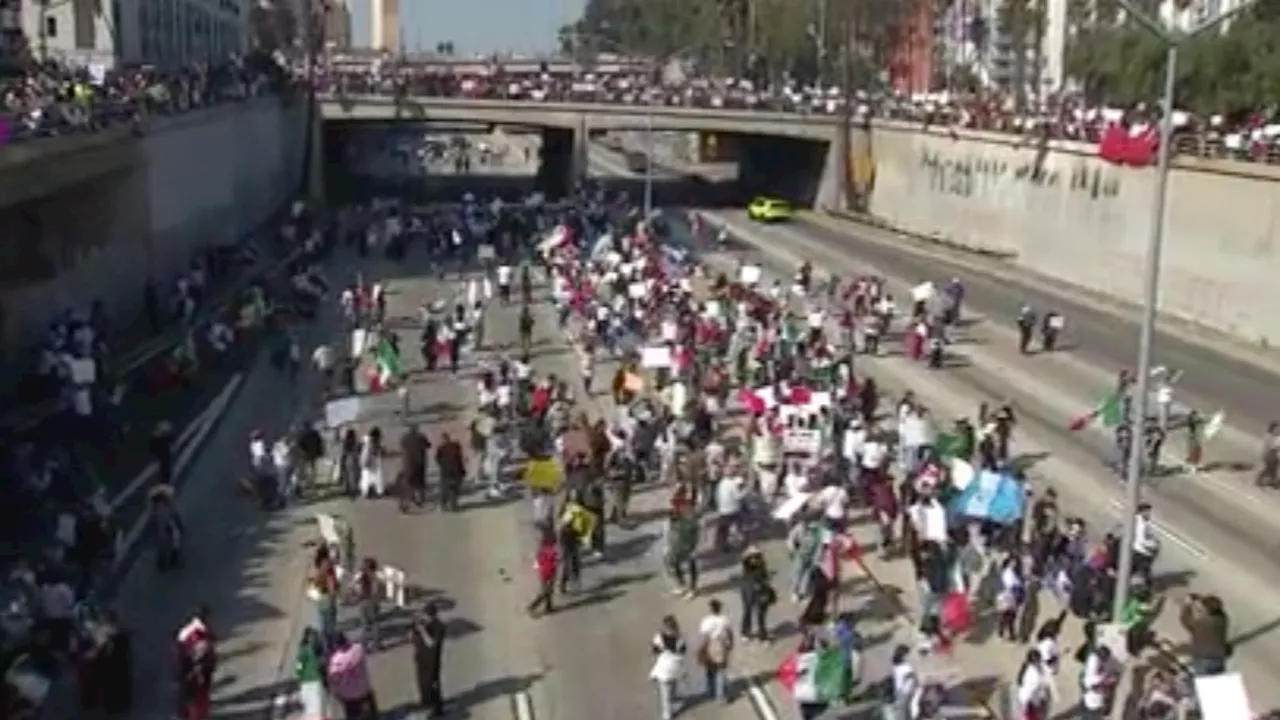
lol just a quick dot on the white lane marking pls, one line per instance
(142, 478)
(1194, 549)
(208, 421)
(522, 706)
(761, 702)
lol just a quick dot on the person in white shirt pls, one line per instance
(904, 681)
(834, 500)
(1097, 684)
(504, 283)
(715, 636)
(1034, 687)
(874, 454)
(1146, 544)
(731, 495)
(853, 443)
(668, 665)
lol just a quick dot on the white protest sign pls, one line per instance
(655, 356)
(393, 583)
(1223, 697)
(749, 274)
(931, 522)
(819, 400)
(669, 331)
(341, 412)
(84, 371)
(637, 290)
(922, 292)
(803, 442)
(962, 473)
(791, 506)
(486, 252)
(328, 525)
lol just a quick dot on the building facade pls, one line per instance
(175, 32)
(911, 62)
(80, 32)
(384, 25)
(337, 25)
(106, 33)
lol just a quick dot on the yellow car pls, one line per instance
(764, 209)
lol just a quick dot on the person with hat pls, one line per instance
(758, 594)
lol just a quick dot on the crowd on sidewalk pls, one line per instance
(66, 506)
(54, 98)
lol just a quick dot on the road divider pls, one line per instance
(522, 706)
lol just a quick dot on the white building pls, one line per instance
(70, 30)
(972, 38)
(163, 33)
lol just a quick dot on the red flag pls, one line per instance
(800, 395)
(789, 672)
(1079, 423)
(753, 402)
(852, 549)
(955, 613)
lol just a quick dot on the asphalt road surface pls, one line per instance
(1218, 532)
(1217, 528)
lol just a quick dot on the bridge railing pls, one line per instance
(1200, 144)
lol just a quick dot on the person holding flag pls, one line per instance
(815, 675)
(388, 367)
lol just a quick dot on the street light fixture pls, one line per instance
(1173, 40)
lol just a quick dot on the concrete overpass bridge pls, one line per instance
(83, 212)
(794, 156)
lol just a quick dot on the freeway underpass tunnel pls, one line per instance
(787, 168)
(557, 162)
(86, 242)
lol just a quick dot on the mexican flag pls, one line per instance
(948, 446)
(389, 367)
(1108, 413)
(819, 676)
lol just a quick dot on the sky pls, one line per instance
(474, 26)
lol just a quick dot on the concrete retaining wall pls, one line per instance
(1063, 212)
(205, 177)
(215, 177)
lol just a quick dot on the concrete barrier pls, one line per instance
(1063, 212)
(190, 180)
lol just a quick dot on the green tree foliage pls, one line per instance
(803, 39)
(1229, 71)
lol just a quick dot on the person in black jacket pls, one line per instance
(453, 471)
(413, 453)
(428, 659)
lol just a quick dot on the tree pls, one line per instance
(1230, 71)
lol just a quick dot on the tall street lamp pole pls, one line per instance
(650, 99)
(1174, 40)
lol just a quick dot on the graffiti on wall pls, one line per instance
(976, 175)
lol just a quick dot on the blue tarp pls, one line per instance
(994, 496)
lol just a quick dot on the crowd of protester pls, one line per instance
(1249, 138)
(59, 521)
(54, 98)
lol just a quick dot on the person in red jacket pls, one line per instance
(547, 563)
